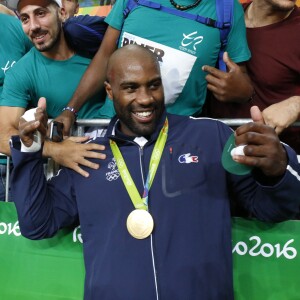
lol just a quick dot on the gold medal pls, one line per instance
(140, 223)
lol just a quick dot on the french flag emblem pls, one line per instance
(188, 158)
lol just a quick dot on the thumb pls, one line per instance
(229, 63)
(42, 103)
(256, 115)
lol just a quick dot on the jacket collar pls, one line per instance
(114, 133)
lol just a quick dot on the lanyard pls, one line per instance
(138, 202)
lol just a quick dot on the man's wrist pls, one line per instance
(71, 109)
(33, 148)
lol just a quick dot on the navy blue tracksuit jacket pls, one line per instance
(189, 255)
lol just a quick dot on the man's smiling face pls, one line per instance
(136, 88)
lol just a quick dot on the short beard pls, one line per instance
(54, 42)
(145, 130)
(136, 128)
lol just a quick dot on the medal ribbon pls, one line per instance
(137, 200)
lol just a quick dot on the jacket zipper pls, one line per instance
(141, 154)
(151, 238)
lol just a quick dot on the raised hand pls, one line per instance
(263, 149)
(231, 86)
(37, 122)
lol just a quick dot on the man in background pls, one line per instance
(273, 37)
(51, 69)
(182, 45)
(71, 7)
(14, 44)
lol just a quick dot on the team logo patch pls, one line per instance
(191, 40)
(188, 158)
(114, 173)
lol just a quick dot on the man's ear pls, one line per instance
(108, 90)
(62, 14)
(77, 9)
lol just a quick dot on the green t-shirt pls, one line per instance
(13, 44)
(36, 76)
(183, 46)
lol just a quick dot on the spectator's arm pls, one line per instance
(70, 153)
(282, 114)
(92, 80)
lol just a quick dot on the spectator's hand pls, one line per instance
(68, 119)
(263, 149)
(73, 154)
(282, 114)
(231, 86)
(27, 129)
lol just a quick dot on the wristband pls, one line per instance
(37, 140)
(72, 109)
(36, 146)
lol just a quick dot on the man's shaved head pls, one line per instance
(129, 55)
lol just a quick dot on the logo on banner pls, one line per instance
(265, 249)
(77, 236)
(10, 228)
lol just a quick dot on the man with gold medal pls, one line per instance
(155, 217)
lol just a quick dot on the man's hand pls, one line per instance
(68, 119)
(27, 129)
(70, 153)
(231, 86)
(282, 114)
(73, 154)
(263, 150)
